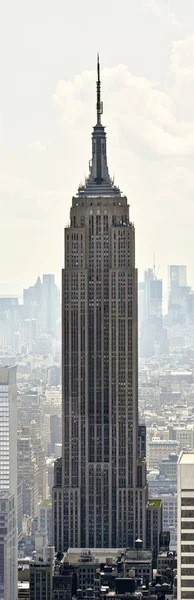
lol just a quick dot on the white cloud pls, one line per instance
(38, 146)
(161, 10)
(30, 203)
(182, 64)
(142, 113)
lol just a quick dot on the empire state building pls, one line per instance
(96, 496)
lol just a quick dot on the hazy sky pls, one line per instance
(47, 110)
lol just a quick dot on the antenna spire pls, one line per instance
(98, 88)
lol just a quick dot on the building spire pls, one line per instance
(98, 88)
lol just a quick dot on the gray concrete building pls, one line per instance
(96, 504)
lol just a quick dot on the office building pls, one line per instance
(8, 546)
(169, 515)
(177, 277)
(153, 294)
(179, 294)
(185, 530)
(41, 580)
(154, 527)
(153, 339)
(50, 304)
(168, 467)
(99, 365)
(159, 449)
(8, 429)
(40, 458)
(45, 519)
(8, 483)
(28, 473)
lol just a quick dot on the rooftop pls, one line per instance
(45, 504)
(154, 503)
(186, 458)
(93, 555)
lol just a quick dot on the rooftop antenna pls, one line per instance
(99, 106)
(154, 265)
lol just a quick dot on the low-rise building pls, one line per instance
(159, 449)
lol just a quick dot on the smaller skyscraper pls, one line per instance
(8, 430)
(45, 519)
(154, 527)
(27, 473)
(153, 335)
(177, 277)
(41, 580)
(153, 295)
(179, 294)
(185, 531)
(50, 304)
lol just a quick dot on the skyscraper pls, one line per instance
(185, 529)
(8, 429)
(96, 505)
(8, 483)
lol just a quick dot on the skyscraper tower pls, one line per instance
(97, 476)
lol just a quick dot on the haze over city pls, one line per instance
(47, 106)
(97, 300)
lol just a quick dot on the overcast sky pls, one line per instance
(47, 110)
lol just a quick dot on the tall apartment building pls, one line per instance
(185, 530)
(8, 483)
(96, 505)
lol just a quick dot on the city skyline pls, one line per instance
(46, 109)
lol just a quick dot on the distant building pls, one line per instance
(159, 449)
(179, 294)
(29, 333)
(153, 295)
(42, 302)
(20, 509)
(50, 304)
(168, 467)
(45, 519)
(27, 473)
(55, 431)
(185, 530)
(17, 344)
(153, 336)
(177, 277)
